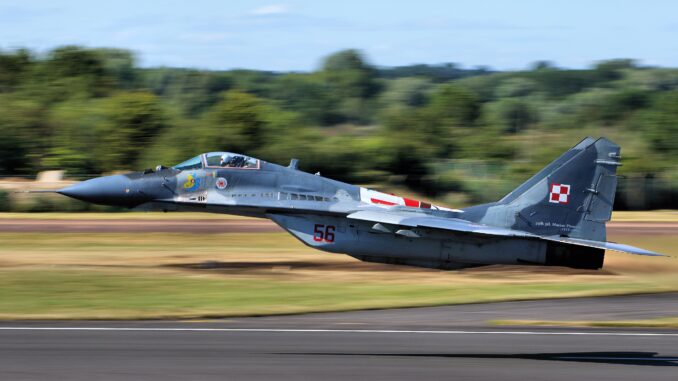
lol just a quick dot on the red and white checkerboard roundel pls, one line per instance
(560, 194)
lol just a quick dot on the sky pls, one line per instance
(294, 35)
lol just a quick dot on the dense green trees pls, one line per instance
(236, 121)
(461, 135)
(351, 83)
(660, 123)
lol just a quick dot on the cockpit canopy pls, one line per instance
(230, 160)
(219, 160)
(192, 163)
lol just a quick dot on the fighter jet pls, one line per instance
(555, 218)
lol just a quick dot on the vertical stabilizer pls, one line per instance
(571, 197)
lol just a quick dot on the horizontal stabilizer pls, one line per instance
(604, 245)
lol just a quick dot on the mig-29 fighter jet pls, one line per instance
(556, 218)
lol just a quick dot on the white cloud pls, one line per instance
(271, 9)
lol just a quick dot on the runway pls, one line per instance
(421, 343)
(233, 225)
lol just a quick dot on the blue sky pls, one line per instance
(296, 34)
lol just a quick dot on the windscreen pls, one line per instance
(192, 163)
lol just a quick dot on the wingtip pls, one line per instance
(587, 141)
(632, 250)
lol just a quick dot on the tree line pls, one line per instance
(459, 135)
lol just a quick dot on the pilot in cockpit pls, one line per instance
(234, 161)
(225, 158)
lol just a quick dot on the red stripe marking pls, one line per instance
(411, 203)
(378, 201)
(425, 205)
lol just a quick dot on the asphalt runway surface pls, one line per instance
(401, 344)
(177, 225)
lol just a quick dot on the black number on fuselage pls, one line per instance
(323, 233)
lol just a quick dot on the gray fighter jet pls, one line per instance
(556, 218)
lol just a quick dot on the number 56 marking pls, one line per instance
(323, 233)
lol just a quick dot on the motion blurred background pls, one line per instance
(384, 94)
(457, 102)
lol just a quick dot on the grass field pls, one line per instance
(164, 275)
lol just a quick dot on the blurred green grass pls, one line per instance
(135, 294)
(183, 276)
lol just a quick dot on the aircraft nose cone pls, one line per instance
(107, 190)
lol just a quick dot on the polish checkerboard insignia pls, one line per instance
(560, 194)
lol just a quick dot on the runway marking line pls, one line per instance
(293, 330)
(618, 358)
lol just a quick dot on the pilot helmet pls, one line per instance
(225, 159)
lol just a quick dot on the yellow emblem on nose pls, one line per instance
(192, 183)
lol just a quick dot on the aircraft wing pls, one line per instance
(419, 220)
(402, 221)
